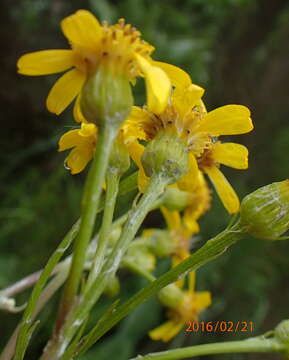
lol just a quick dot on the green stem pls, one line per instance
(136, 269)
(134, 221)
(243, 346)
(211, 250)
(90, 203)
(112, 184)
(26, 323)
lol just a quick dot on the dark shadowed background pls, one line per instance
(239, 51)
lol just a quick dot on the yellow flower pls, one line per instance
(230, 154)
(118, 47)
(189, 308)
(83, 142)
(186, 115)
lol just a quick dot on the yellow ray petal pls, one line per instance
(45, 62)
(190, 180)
(177, 76)
(133, 127)
(65, 90)
(224, 189)
(172, 218)
(69, 139)
(192, 281)
(227, 120)
(190, 223)
(77, 114)
(202, 300)
(82, 28)
(166, 331)
(136, 150)
(184, 99)
(231, 154)
(78, 158)
(158, 85)
(87, 129)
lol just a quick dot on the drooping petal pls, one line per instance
(231, 154)
(202, 300)
(69, 139)
(177, 76)
(77, 114)
(190, 180)
(45, 62)
(227, 120)
(190, 222)
(158, 85)
(136, 150)
(172, 218)
(78, 158)
(82, 28)
(192, 281)
(166, 331)
(87, 129)
(225, 191)
(184, 99)
(65, 90)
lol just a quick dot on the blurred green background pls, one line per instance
(239, 51)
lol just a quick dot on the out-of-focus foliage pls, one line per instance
(239, 51)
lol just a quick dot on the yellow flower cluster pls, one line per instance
(174, 106)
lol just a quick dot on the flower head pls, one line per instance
(186, 116)
(188, 308)
(82, 141)
(117, 48)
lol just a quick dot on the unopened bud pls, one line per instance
(171, 296)
(175, 199)
(141, 258)
(161, 243)
(265, 212)
(106, 98)
(112, 287)
(114, 236)
(119, 161)
(166, 155)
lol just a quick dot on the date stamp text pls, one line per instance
(219, 326)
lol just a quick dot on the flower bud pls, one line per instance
(119, 161)
(171, 296)
(161, 243)
(175, 199)
(265, 212)
(114, 236)
(112, 287)
(140, 257)
(166, 155)
(106, 98)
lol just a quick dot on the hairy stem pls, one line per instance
(112, 184)
(211, 250)
(90, 201)
(134, 221)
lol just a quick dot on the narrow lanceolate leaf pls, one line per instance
(26, 326)
(89, 339)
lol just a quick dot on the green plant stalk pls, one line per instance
(46, 295)
(90, 201)
(213, 248)
(242, 346)
(112, 184)
(138, 270)
(134, 221)
(27, 318)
